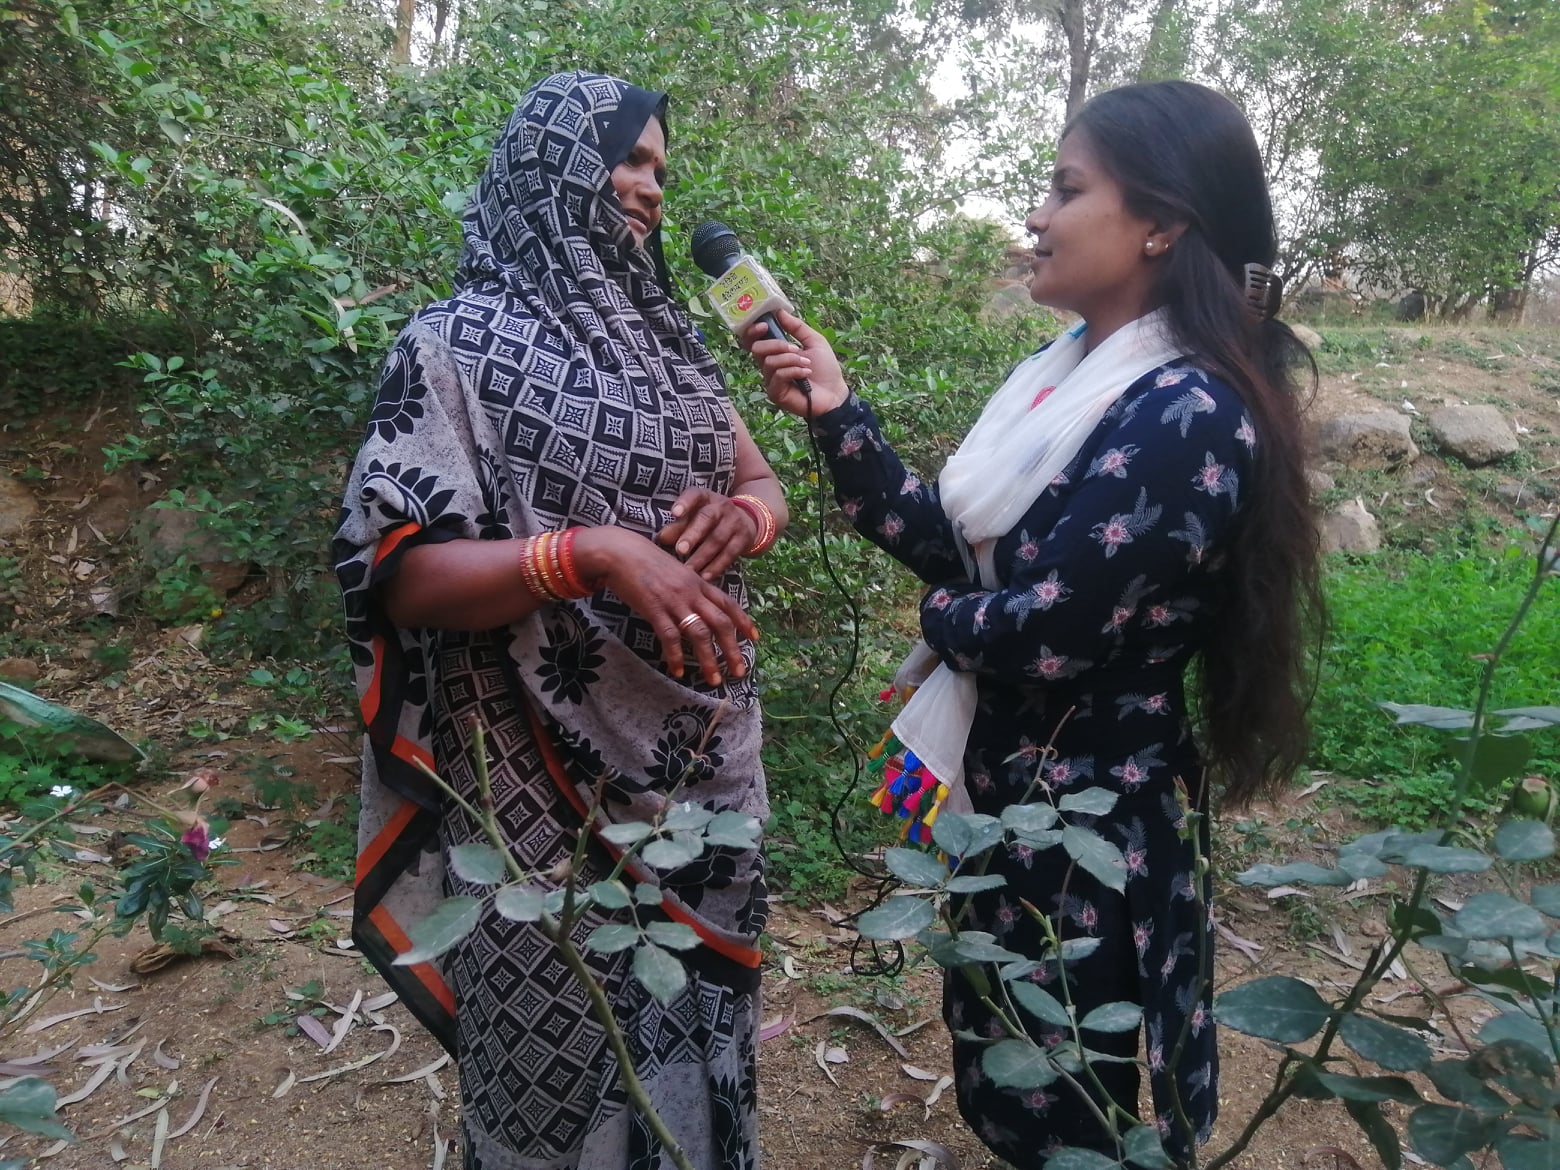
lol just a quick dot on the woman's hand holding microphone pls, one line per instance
(782, 364)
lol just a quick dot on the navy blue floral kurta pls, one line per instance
(1113, 580)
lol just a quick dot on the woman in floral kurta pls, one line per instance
(1131, 500)
(1112, 578)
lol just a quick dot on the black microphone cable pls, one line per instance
(715, 250)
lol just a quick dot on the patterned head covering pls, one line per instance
(545, 221)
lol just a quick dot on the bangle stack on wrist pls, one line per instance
(763, 520)
(548, 568)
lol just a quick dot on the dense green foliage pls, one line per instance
(1413, 628)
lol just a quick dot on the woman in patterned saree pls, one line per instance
(1130, 502)
(541, 533)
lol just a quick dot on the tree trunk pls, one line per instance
(441, 13)
(405, 13)
(1075, 27)
(1507, 305)
(1162, 56)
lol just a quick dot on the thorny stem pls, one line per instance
(553, 931)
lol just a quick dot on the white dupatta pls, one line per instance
(1028, 433)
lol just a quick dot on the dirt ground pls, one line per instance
(264, 1096)
(210, 1071)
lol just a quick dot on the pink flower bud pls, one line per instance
(198, 840)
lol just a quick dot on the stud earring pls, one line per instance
(1150, 247)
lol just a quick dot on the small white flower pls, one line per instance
(217, 843)
(62, 791)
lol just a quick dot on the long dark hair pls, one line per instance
(1184, 154)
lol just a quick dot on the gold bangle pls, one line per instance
(763, 520)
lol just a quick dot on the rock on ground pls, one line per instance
(17, 506)
(1350, 528)
(1373, 440)
(1310, 337)
(1477, 435)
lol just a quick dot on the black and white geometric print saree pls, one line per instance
(559, 386)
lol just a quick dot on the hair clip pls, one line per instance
(1264, 290)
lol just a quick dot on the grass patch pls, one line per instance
(1410, 628)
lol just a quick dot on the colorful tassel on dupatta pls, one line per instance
(907, 789)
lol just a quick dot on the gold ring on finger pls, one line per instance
(688, 621)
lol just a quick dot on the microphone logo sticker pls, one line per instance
(745, 302)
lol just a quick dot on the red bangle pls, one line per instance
(763, 522)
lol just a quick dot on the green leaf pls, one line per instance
(176, 131)
(1498, 758)
(449, 922)
(1099, 857)
(29, 1105)
(734, 830)
(1367, 1115)
(1493, 915)
(1295, 871)
(626, 832)
(609, 895)
(671, 852)
(1029, 818)
(1040, 1003)
(1547, 899)
(674, 936)
(611, 937)
(686, 817)
(964, 835)
(1277, 1007)
(1453, 1080)
(1074, 1158)
(1529, 718)
(1018, 1064)
(1094, 802)
(1142, 1147)
(660, 972)
(1074, 949)
(647, 895)
(975, 882)
(915, 867)
(1385, 1044)
(477, 863)
(1517, 1028)
(519, 903)
(1113, 1017)
(1369, 1088)
(1524, 841)
(1526, 1153)
(898, 918)
(1444, 1133)
(1447, 859)
(976, 946)
(1440, 718)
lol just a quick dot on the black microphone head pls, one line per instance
(715, 247)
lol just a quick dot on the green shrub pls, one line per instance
(1413, 628)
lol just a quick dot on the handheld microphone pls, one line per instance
(743, 293)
